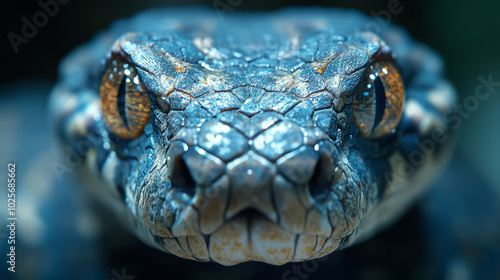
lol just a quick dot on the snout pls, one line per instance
(253, 166)
(267, 193)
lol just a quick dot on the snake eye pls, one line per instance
(124, 101)
(378, 103)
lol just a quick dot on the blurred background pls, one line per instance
(465, 34)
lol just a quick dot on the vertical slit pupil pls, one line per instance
(120, 100)
(380, 100)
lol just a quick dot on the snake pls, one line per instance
(254, 136)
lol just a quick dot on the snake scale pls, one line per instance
(275, 137)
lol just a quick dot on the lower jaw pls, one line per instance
(251, 238)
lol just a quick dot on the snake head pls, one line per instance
(277, 144)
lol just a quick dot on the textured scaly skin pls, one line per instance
(247, 107)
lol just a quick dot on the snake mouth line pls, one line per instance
(250, 236)
(250, 216)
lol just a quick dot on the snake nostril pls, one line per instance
(181, 177)
(319, 184)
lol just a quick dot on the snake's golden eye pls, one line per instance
(124, 100)
(378, 102)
